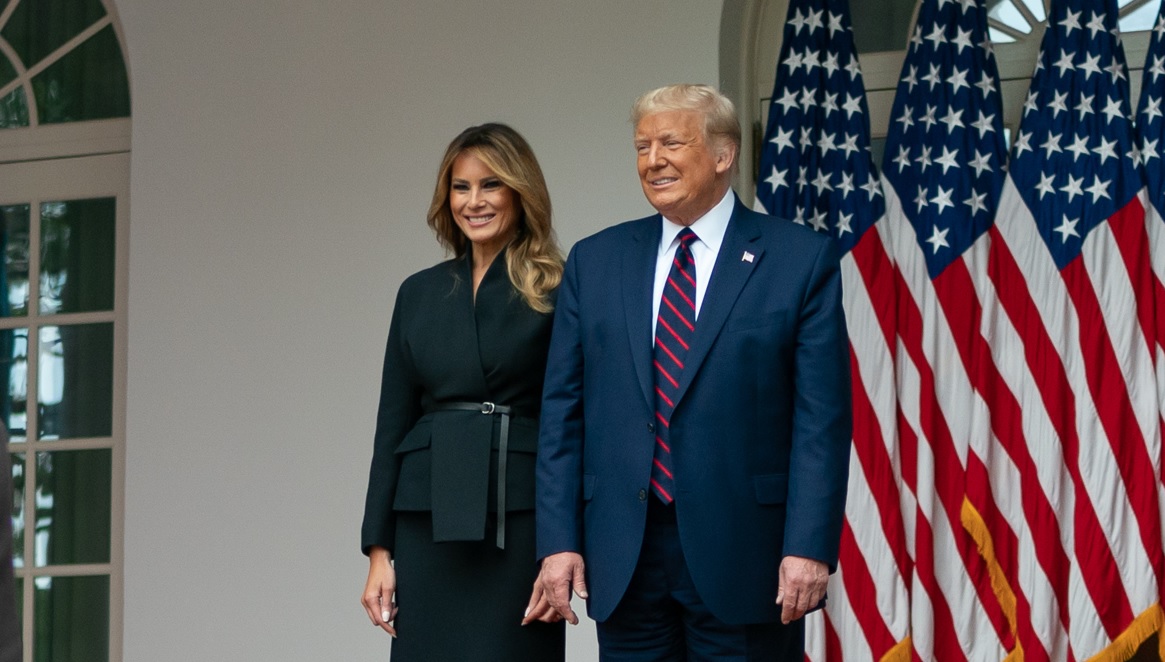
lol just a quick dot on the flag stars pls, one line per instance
(1052, 144)
(777, 179)
(1085, 106)
(1149, 150)
(903, 158)
(1160, 27)
(906, 119)
(1073, 188)
(1070, 22)
(916, 37)
(977, 202)
(1106, 150)
(934, 76)
(1029, 104)
(1115, 70)
(1045, 186)
(826, 143)
(821, 182)
(813, 21)
(808, 99)
(854, 69)
(986, 84)
(938, 239)
(852, 105)
(783, 139)
(797, 22)
(871, 188)
(981, 163)
(911, 78)
(1152, 109)
(806, 140)
(1099, 189)
(1096, 25)
(953, 119)
(802, 178)
(844, 222)
(962, 40)
(788, 99)
(985, 124)
(936, 36)
(847, 184)
(1112, 110)
(957, 80)
(1064, 64)
(1079, 147)
(949, 159)
(829, 105)
(830, 63)
(928, 117)
(793, 61)
(921, 198)
(1134, 155)
(923, 159)
(1091, 65)
(1067, 229)
(1157, 67)
(1022, 143)
(850, 145)
(942, 199)
(810, 60)
(818, 221)
(1059, 103)
(835, 24)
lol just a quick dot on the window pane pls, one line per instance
(881, 26)
(14, 110)
(72, 506)
(75, 381)
(1006, 13)
(1142, 18)
(14, 366)
(14, 277)
(72, 619)
(77, 255)
(18, 510)
(7, 71)
(89, 83)
(39, 27)
(19, 599)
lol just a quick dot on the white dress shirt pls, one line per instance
(709, 230)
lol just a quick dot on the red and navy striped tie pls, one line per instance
(674, 329)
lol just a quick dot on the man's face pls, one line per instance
(680, 172)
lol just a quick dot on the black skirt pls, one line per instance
(463, 601)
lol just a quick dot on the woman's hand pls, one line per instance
(380, 590)
(539, 608)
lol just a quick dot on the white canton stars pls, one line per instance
(816, 163)
(945, 151)
(1083, 168)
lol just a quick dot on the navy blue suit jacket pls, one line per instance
(761, 429)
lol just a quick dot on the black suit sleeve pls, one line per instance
(400, 407)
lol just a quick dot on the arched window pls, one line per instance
(64, 165)
(751, 36)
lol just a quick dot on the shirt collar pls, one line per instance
(709, 228)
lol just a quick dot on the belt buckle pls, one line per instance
(487, 407)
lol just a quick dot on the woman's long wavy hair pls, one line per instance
(533, 259)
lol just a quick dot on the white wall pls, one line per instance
(283, 155)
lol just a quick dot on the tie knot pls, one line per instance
(686, 237)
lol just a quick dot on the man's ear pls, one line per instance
(726, 154)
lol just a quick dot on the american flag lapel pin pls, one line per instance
(747, 257)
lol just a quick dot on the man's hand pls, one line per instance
(800, 587)
(560, 573)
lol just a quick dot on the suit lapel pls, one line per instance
(729, 276)
(638, 280)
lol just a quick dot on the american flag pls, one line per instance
(1071, 293)
(1152, 147)
(943, 171)
(816, 169)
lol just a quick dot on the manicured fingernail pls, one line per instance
(527, 613)
(384, 615)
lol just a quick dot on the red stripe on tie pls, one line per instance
(684, 271)
(664, 373)
(680, 315)
(663, 469)
(659, 440)
(673, 332)
(662, 419)
(659, 343)
(657, 486)
(673, 284)
(666, 399)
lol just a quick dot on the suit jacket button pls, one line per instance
(651, 427)
(643, 495)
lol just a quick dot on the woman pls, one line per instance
(448, 521)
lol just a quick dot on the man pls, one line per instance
(695, 424)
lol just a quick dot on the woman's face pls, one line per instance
(483, 207)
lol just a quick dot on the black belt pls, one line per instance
(490, 409)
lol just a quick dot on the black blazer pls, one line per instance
(442, 348)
